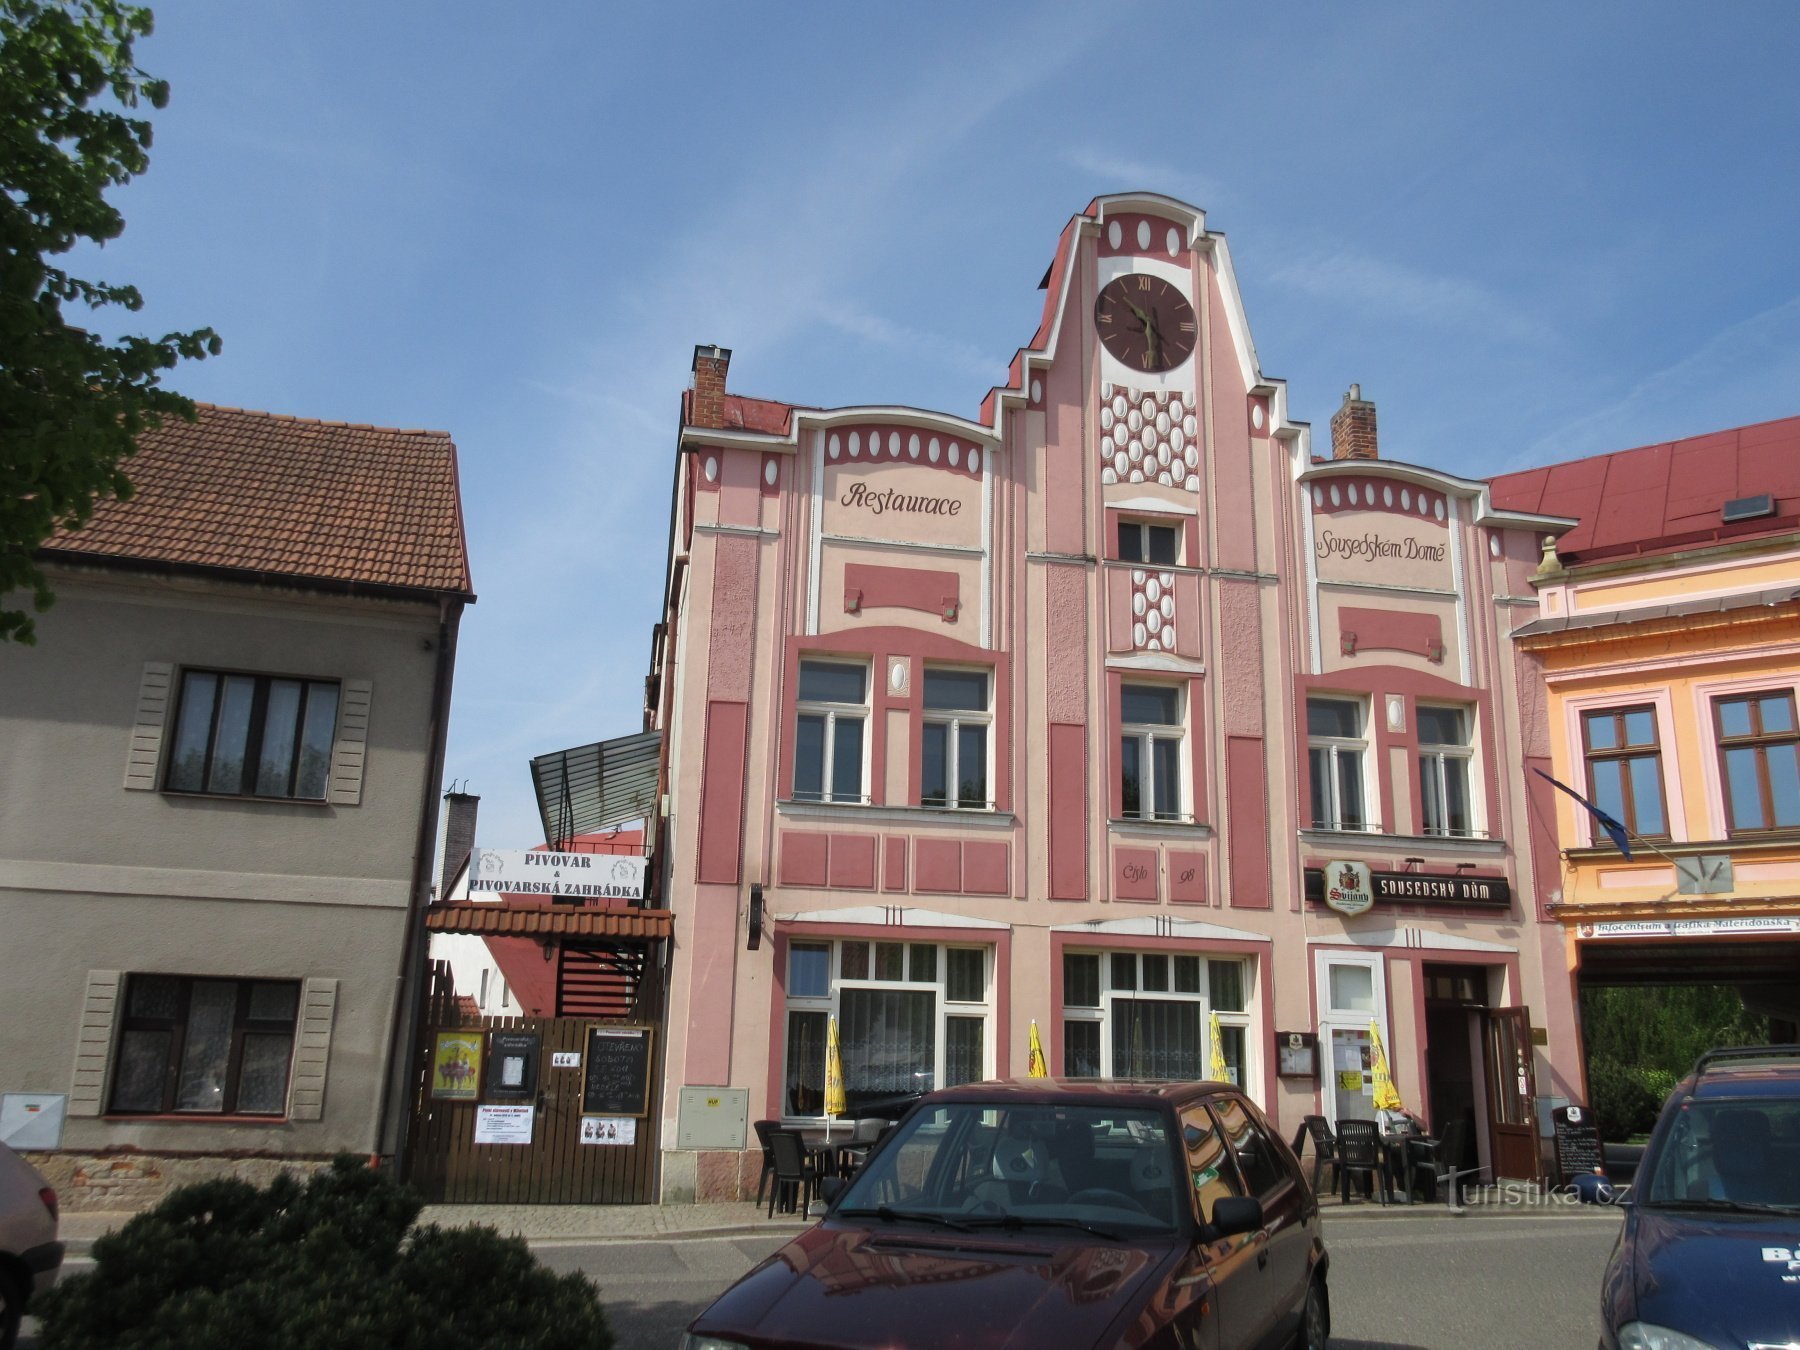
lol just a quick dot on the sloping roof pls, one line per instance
(765, 416)
(1664, 496)
(560, 921)
(289, 497)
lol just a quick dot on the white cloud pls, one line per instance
(1121, 174)
(1399, 291)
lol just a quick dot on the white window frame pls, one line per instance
(1250, 1069)
(1147, 734)
(831, 712)
(1143, 526)
(1347, 1019)
(1333, 747)
(1437, 757)
(944, 1008)
(953, 720)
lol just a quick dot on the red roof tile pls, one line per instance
(1664, 496)
(259, 492)
(764, 416)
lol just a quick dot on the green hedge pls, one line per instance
(330, 1263)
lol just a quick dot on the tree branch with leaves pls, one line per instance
(71, 404)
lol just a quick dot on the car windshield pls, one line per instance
(1729, 1153)
(1100, 1169)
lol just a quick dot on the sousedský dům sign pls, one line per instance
(574, 876)
(1409, 888)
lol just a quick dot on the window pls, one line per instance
(1258, 1159)
(1150, 742)
(1334, 748)
(954, 768)
(1141, 541)
(1148, 1014)
(1213, 1175)
(1445, 752)
(1759, 752)
(1624, 767)
(911, 1016)
(253, 736)
(205, 1046)
(828, 735)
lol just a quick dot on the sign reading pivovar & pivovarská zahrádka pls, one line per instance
(616, 1075)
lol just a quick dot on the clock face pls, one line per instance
(1146, 322)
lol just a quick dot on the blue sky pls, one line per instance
(1529, 231)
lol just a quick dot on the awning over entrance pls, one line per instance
(562, 921)
(596, 787)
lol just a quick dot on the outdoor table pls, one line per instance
(837, 1157)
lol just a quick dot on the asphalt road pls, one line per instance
(1484, 1282)
(1421, 1280)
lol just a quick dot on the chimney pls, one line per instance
(1353, 428)
(459, 837)
(707, 409)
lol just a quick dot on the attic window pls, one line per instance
(1748, 508)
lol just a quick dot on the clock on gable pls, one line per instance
(1145, 322)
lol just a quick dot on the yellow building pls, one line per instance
(1668, 634)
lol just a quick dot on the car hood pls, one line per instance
(900, 1285)
(1729, 1279)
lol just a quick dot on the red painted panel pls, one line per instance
(1068, 812)
(1393, 631)
(721, 830)
(740, 486)
(985, 869)
(1118, 609)
(937, 865)
(870, 587)
(802, 858)
(1187, 878)
(1546, 856)
(1134, 874)
(715, 942)
(1187, 616)
(893, 864)
(853, 861)
(1245, 797)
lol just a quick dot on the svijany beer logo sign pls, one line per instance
(1347, 888)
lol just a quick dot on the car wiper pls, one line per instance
(888, 1214)
(1033, 1221)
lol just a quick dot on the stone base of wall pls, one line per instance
(710, 1176)
(131, 1182)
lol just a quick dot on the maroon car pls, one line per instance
(1045, 1212)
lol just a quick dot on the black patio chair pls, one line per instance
(1443, 1162)
(1324, 1142)
(1359, 1152)
(796, 1179)
(763, 1127)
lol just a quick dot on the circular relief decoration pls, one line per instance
(1145, 322)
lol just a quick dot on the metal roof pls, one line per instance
(1679, 609)
(596, 787)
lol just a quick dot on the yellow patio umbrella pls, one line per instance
(1387, 1096)
(834, 1076)
(1034, 1060)
(1216, 1067)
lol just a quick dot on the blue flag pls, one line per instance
(1614, 830)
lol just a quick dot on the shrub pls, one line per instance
(332, 1263)
(1625, 1101)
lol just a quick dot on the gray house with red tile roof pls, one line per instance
(224, 757)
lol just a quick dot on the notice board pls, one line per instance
(616, 1076)
(1578, 1148)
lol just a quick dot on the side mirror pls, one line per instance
(830, 1188)
(1234, 1214)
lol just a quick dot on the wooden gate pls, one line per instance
(447, 1166)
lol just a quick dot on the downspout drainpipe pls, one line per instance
(409, 978)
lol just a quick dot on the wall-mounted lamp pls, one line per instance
(1464, 867)
(1412, 864)
(756, 919)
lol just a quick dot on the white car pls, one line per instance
(30, 1254)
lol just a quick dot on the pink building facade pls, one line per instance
(1112, 710)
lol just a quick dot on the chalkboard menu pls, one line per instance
(616, 1076)
(1577, 1142)
(512, 1066)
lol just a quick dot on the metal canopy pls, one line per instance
(597, 787)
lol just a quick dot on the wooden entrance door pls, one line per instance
(1511, 1094)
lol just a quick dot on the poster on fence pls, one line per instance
(503, 1124)
(608, 1130)
(456, 1066)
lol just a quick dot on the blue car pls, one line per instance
(1709, 1254)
